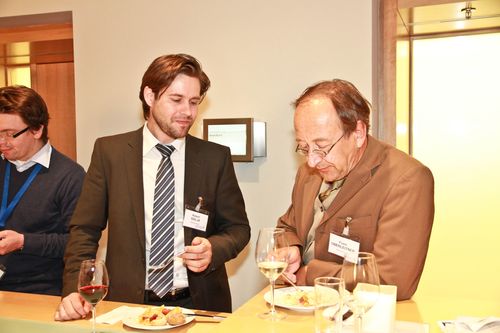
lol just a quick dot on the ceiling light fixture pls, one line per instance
(468, 10)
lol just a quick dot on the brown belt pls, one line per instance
(173, 295)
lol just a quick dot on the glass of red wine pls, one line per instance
(93, 283)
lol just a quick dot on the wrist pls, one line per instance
(21, 247)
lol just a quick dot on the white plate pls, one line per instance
(281, 292)
(134, 321)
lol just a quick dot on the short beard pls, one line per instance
(173, 132)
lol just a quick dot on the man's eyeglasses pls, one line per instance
(317, 152)
(8, 135)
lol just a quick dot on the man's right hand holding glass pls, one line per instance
(72, 307)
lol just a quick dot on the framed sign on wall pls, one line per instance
(235, 133)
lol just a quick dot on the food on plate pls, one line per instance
(176, 317)
(153, 316)
(160, 316)
(298, 298)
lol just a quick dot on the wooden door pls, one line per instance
(50, 58)
(56, 84)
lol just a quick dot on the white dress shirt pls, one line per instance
(151, 159)
(41, 157)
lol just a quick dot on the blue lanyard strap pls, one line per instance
(6, 210)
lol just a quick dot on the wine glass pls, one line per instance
(271, 255)
(362, 285)
(93, 283)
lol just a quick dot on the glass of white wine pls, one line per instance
(271, 255)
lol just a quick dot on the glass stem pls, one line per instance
(93, 318)
(358, 323)
(273, 311)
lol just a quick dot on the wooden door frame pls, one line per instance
(36, 33)
(388, 27)
(385, 22)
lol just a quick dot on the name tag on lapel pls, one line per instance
(343, 247)
(196, 217)
(195, 220)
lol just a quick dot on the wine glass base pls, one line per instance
(272, 316)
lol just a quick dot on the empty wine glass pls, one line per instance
(271, 255)
(93, 283)
(362, 286)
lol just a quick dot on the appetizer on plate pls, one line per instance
(160, 316)
(298, 298)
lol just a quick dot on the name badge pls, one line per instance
(196, 217)
(343, 247)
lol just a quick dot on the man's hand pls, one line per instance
(198, 256)
(10, 241)
(72, 307)
(294, 261)
(301, 275)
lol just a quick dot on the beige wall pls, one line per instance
(260, 55)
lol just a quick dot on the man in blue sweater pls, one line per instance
(39, 188)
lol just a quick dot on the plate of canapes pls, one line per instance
(160, 318)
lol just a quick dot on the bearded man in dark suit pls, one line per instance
(119, 191)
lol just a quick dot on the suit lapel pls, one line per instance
(310, 188)
(352, 185)
(133, 170)
(192, 176)
(358, 178)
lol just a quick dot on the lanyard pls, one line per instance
(5, 210)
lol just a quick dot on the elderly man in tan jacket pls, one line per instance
(356, 188)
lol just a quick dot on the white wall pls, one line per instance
(259, 54)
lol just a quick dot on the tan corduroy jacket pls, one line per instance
(390, 198)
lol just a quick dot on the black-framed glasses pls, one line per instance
(317, 152)
(8, 136)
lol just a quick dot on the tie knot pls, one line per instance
(331, 187)
(165, 150)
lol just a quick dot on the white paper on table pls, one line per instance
(118, 314)
(473, 324)
(382, 316)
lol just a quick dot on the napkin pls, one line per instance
(382, 316)
(472, 324)
(118, 314)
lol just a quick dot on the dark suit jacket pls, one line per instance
(390, 198)
(113, 195)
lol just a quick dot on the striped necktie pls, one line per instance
(162, 230)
